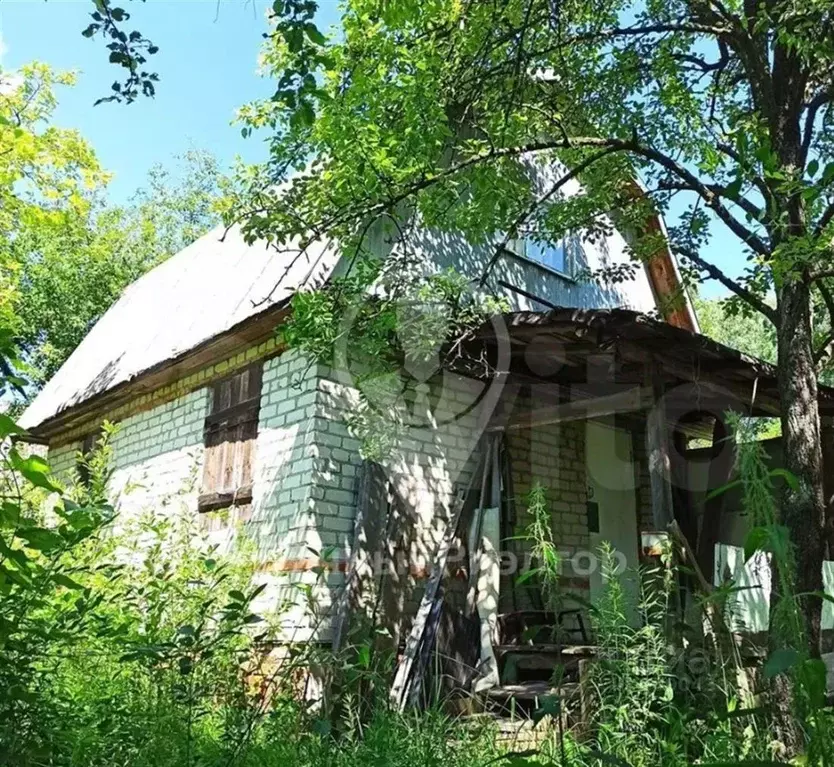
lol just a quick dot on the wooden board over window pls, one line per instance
(231, 429)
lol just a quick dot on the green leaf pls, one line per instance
(256, 592)
(789, 477)
(733, 189)
(364, 656)
(723, 489)
(39, 539)
(780, 661)
(66, 581)
(812, 676)
(35, 470)
(549, 705)
(755, 540)
(526, 576)
(812, 168)
(314, 34)
(8, 427)
(771, 539)
(9, 514)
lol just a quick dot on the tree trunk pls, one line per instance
(802, 508)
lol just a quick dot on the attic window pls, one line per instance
(231, 429)
(556, 256)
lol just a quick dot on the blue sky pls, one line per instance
(207, 63)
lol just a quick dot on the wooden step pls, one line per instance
(582, 651)
(531, 691)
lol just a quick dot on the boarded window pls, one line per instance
(231, 429)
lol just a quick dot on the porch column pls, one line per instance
(657, 438)
(720, 467)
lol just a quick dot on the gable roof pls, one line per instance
(205, 290)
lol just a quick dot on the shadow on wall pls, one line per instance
(453, 250)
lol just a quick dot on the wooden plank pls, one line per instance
(657, 439)
(632, 400)
(474, 538)
(213, 501)
(231, 429)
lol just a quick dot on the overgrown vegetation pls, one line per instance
(134, 642)
(662, 692)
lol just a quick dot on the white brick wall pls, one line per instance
(284, 523)
(432, 460)
(157, 458)
(158, 463)
(305, 472)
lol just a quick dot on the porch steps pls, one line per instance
(523, 699)
(518, 663)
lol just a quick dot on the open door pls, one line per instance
(612, 510)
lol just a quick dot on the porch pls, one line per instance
(601, 408)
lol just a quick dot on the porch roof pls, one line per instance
(643, 350)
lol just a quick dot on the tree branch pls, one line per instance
(718, 189)
(715, 273)
(650, 29)
(819, 101)
(531, 209)
(702, 189)
(826, 218)
(826, 349)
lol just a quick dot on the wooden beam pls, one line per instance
(633, 400)
(735, 394)
(403, 680)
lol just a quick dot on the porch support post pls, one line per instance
(720, 467)
(659, 462)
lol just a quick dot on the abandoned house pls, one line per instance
(587, 393)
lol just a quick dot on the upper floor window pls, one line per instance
(231, 430)
(557, 256)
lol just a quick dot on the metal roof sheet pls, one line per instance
(204, 290)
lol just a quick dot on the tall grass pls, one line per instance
(661, 693)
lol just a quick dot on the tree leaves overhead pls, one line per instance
(434, 102)
(128, 50)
